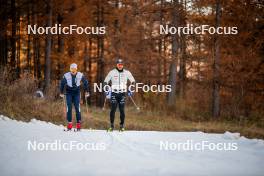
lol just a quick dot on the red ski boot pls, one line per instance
(69, 126)
(78, 126)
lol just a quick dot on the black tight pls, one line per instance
(117, 99)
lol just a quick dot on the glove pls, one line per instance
(108, 94)
(129, 93)
(87, 94)
(61, 95)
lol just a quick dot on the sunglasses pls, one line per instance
(119, 64)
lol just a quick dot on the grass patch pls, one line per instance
(151, 121)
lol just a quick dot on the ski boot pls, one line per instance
(69, 126)
(111, 129)
(122, 128)
(78, 126)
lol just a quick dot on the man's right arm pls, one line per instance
(108, 78)
(106, 82)
(62, 84)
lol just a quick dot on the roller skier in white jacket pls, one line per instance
(119, 78)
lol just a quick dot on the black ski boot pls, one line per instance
(122, 128)
(111, 128)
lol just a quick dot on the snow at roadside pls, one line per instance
(129, 153)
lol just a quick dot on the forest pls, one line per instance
(217, 80)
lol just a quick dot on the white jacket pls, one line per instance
(119, 80)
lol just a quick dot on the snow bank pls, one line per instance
(229, 135)
(129, 153)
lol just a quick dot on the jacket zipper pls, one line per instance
(119, 80)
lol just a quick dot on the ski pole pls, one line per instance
(104, 104)
(134, 103)
(64, 105)
(86, 105)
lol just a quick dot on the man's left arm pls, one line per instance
(132, 82)
(130, 77)
(85, 84)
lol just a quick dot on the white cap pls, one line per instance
(73, 65)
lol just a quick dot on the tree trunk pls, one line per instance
(216, 83)
(100, 53)
(48, 47)
(86, 57)
(182, 71)
(60, 49)
(160, 46)
(13, 37)
(36, 44)
(28, 40)
(3, 33)
(171, 99)
(18, 41)
(164, 62)
(116, 42)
